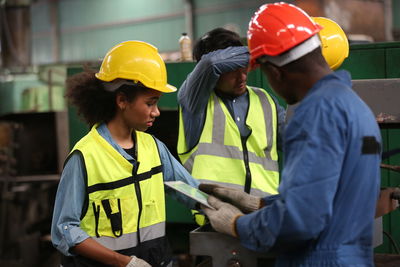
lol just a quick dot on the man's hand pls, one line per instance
(223, 218)
(137, 262)
(245, 202)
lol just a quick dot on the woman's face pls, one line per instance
(142, 111)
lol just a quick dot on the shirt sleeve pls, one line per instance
(65, 230)
(314, 152)
(195, 91)
(174, 171)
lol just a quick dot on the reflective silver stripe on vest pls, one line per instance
(267, 110)
(130, 240)
(152, 232)
(217, 147)
(254, 192)
(232, 152)
(219, 122)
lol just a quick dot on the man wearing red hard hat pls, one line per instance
(324, 212)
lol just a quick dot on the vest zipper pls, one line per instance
(138, 196)
(247, 183)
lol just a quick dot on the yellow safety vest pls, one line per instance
(221, 157)
(126, 205)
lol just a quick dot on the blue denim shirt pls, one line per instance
(65, 230)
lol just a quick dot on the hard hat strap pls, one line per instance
(117, 83)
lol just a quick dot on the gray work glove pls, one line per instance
(223, 218)
(137, 262)
(245, 202)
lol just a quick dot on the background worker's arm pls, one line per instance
(194, 93)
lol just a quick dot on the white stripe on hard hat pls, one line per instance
(295, 53)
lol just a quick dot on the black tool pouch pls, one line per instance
(115, 218)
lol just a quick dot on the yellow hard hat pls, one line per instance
(137, 61)
(335, 46)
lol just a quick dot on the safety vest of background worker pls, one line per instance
(126, 206)
(228, 131)
(250, 162)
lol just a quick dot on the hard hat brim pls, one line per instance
(168, 89)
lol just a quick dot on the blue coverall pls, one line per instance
(324, 212)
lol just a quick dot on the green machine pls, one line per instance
(371, 66)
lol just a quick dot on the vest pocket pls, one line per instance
(150, 214)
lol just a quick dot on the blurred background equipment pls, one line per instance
(185, 44)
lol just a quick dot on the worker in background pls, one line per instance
(110, 206)
(324, 212)
(228, 130)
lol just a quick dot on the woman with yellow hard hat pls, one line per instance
(110, 204)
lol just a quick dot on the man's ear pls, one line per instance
(278, 72)
(272, 71)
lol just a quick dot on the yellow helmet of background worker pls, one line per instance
(137, 61)
(335, 46)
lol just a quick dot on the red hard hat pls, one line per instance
(278, 27)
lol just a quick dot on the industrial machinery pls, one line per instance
(33, 147)
(225, 250)
(32, 151)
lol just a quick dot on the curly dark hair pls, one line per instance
(218, 38)
(93, 102)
